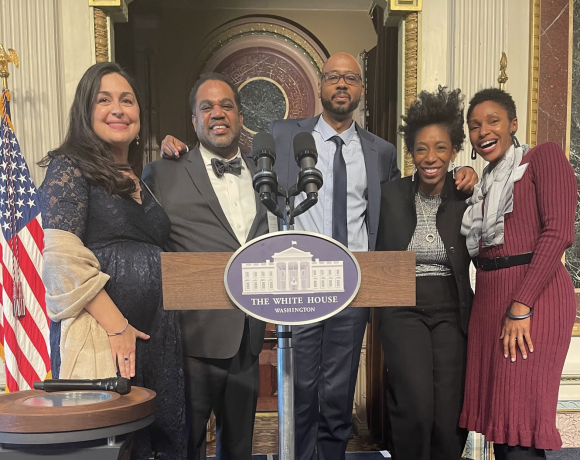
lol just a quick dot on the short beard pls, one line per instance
(340, 110)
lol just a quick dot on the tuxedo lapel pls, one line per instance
(195, 167)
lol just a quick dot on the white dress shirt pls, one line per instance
(235, 194)
(319, 217)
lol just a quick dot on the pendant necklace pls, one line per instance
(430, 237)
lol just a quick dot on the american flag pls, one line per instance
(24, 324)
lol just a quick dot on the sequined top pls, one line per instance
(431, 257)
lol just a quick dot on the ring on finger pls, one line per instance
(127, 359)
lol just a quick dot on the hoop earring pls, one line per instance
(473, 154)
(414, 171)
(515, 140)
(453, 169)
(137, 140)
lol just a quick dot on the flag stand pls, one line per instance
(24, 325)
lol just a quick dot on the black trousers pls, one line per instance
(505, 452)
(425, 354)
(229, 387)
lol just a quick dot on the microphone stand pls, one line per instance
(285, 354)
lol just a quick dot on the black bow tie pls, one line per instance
(220, 167)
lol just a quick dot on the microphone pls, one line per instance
(119, 384)
(265, 181)
(309, 178)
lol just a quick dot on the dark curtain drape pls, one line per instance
(382, 74)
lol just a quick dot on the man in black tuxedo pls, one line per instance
(208, 196)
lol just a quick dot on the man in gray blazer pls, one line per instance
(208, 196)
(327, 353)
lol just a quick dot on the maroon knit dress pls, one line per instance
(515, 403)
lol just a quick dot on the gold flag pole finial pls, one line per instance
(503, 78)
(5, 58)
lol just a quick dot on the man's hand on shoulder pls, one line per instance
(171, 147)
(465, 179)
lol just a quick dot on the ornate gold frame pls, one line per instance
(406, 6)
(411, 73)
(117, 10)
(534, 77)
(259, 28)
(101, 36)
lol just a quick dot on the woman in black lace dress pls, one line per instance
(103, 236)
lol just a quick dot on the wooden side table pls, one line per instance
(87, 425)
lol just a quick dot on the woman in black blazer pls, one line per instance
(425, 346)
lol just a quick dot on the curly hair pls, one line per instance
(494, 95)
(85, 149)
(442, 107)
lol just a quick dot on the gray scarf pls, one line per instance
(496, 187)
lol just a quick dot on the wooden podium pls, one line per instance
(387, 280)
(195, 281)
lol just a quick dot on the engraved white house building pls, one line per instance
(292, 271)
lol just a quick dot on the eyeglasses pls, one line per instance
(332, 78)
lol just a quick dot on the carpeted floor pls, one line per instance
(266, 438)
(359, 447)
(564, 454)
(349, 456)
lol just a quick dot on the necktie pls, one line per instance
(220, 167)
(339, 227)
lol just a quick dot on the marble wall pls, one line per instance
(573, 254)
(553, 90)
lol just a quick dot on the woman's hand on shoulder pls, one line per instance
(123, 349)
(465, 179)
(515, 333)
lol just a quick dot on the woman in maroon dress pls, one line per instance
(518, 225)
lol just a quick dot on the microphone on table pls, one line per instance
(309, 178)
(265, 181)
(118, 384)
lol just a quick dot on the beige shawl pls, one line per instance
(72, 277)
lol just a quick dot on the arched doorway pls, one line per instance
(275, 64)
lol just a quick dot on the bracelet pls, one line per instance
(112, 334)
(510, 315)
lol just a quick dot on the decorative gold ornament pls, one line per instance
(503, 78)
(397, 9)
(411, 73)
(101, 36)
(259, 28)
(117, 10)
(5, 58)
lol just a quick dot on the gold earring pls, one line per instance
(137, 140)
